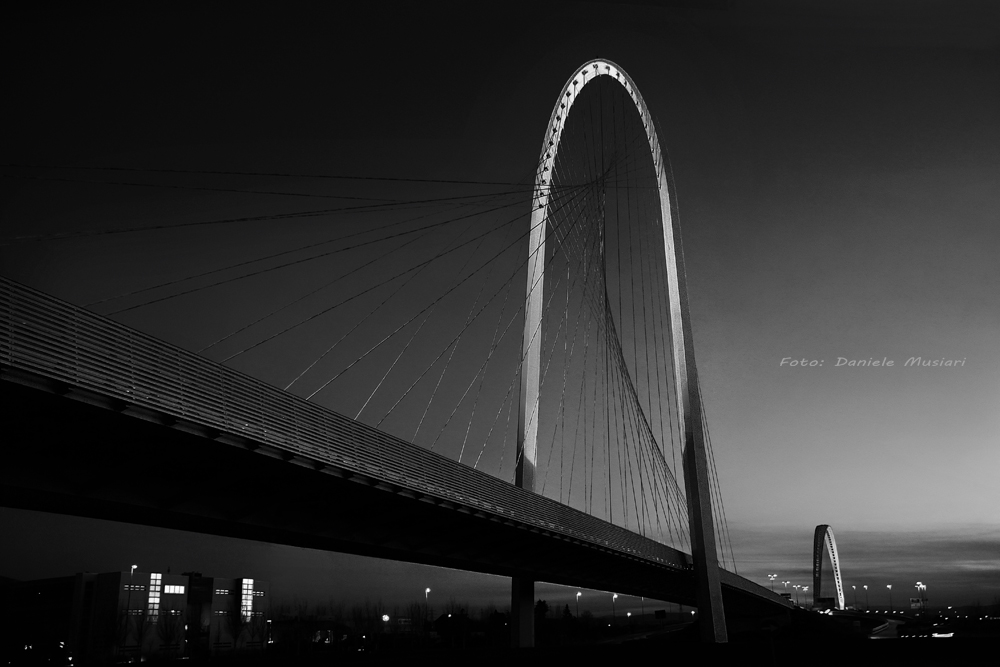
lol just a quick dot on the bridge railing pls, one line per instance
(48, 337)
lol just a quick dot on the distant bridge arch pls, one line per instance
(824, 534)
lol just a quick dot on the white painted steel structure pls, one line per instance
(531, 345)
(688, 396)
(824, 535)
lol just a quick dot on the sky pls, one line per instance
(835, 168)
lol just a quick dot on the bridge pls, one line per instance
(152, 433)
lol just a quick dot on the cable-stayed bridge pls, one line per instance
(587, 488)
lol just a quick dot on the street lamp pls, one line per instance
(128, 605)
(797, 587)
(771, 578)
(426, 593)
(855, 596)
(920, 591)
(889, 586)
(578, 604)
(614, 615)
(867, 605)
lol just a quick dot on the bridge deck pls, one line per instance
(49, 344)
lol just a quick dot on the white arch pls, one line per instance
(531, 342)
(824, 534)
(707, 582)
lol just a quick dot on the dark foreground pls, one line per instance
(796, 639)
(806, 639)
(869, 652)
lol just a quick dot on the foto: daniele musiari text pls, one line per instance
(883, 362)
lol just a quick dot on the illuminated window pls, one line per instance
(222, 613)
(155, 584)
(135, 587)
(246, 604)
(173, 590)
(222, 591)
(258, 594)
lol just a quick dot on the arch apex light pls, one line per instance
(689, 410)
(824, 535)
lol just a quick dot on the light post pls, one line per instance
(806, 597)
(785, 583)
(855, 596)
(578, 604)
(628, 615)
(427, 607)
(771, 578)
(614, 614)
(867, 605)
(796, 587)
(889, 586)
(128, 605)
(920, 591)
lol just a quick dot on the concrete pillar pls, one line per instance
(522, 612)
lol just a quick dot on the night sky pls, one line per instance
(836, 170)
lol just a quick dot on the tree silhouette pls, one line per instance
(258, 629)
(169, 630)
(235, 620)
(143, 624)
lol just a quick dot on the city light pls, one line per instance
(921, 587)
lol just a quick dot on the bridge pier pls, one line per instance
(522, 612)
(708, 587)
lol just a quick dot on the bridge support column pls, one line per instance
(708, 587)
(522, 612)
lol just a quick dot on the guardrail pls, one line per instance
(48, 337)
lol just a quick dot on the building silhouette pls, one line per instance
(134, 615)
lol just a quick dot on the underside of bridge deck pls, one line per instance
(74, 453)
